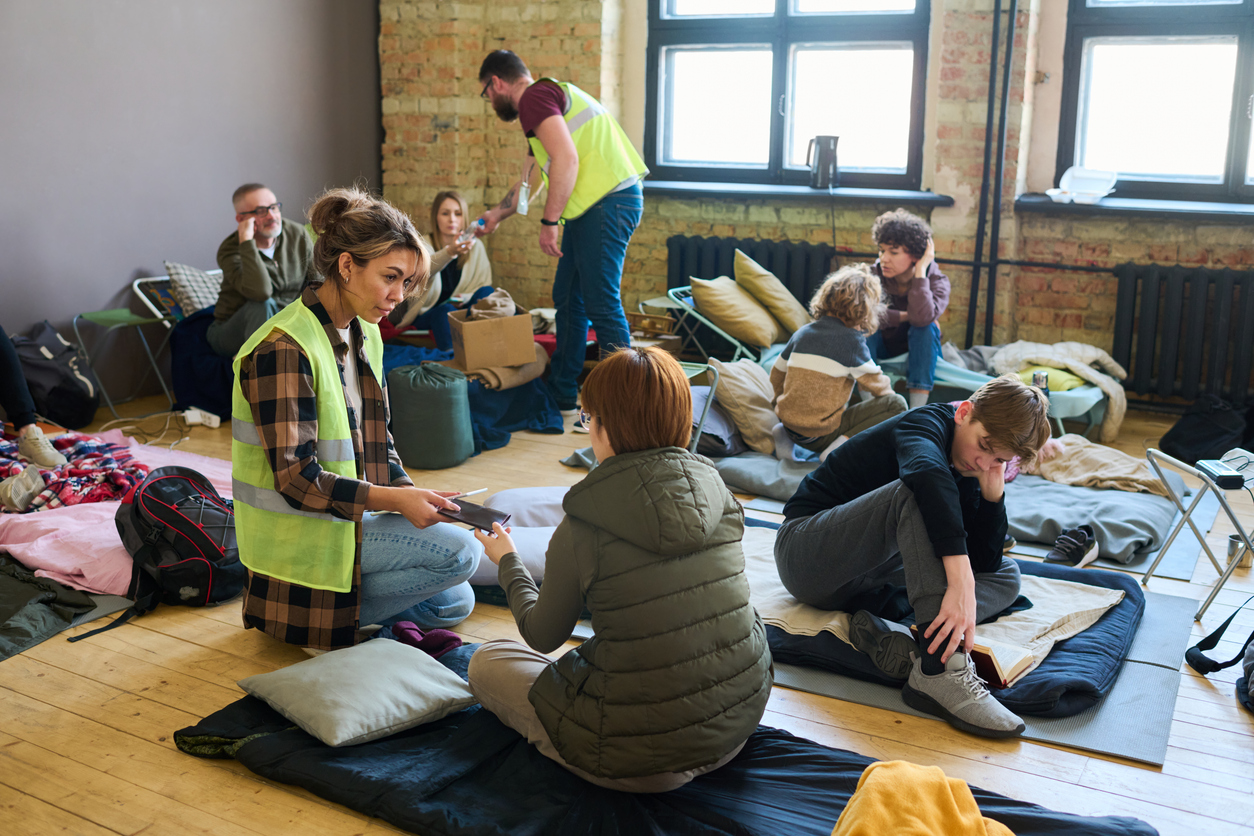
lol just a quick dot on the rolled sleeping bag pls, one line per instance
(430, 416)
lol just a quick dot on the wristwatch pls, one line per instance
(547, 222)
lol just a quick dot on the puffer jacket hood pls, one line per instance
(666, 501)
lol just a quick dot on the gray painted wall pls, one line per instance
(126, 124)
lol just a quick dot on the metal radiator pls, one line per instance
(1185, 331)
(800, 266)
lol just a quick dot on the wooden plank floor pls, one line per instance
(86, 728)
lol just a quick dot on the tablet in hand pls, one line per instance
(475, 515)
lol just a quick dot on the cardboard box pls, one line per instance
(500, 341)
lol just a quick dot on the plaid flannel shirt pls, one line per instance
(277, 381)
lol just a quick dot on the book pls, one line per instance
(999, 665)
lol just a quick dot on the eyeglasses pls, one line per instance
(262, 211)
(484, 94)
(585, 418)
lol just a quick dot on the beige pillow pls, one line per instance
(744, 390)
(731, 308)
(770, 291)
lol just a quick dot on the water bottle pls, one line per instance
(469, 232)
(1041, 381)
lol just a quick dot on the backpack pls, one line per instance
(1203, 664)
(1209, 428)
(61, 383)
(180, 533)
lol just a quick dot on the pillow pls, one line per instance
(770, 291)
(719, 436)
(1060, 380)
(194, 289)
(744, 390)
(532, 544)
(731, 308)
(362, 693)
(530, 506)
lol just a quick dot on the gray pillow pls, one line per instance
(719, 436)
(362, 693)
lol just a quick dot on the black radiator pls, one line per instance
(801, 266)
(1185, 331)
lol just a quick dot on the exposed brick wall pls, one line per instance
(439, 134)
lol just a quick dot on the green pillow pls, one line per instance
(1060, 380)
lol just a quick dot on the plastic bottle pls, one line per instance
(469, 232)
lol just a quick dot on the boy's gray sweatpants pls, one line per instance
(826, 559)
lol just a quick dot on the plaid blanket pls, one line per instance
(95, 471)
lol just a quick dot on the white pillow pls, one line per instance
(193, 289)
(532, 545)
(530, 506)
(362, 693)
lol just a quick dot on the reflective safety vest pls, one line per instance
(607, 159)
(303, 547)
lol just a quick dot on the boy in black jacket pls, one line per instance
(919, 498)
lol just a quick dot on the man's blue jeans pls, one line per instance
(924, 350)
(416, 574)
(587, 286)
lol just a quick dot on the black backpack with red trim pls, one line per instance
(181, 534)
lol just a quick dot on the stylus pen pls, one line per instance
(468, 493)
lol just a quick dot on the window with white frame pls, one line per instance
(1160, 92)
(738, 88)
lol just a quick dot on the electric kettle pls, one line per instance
(821, 158)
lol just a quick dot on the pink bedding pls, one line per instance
(78, 545)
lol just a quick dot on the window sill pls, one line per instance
(679, 188)
(1185, 210)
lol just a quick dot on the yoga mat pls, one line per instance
(1133, 721)
(1178, 563)
(105, 605)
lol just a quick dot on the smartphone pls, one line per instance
(475, 515)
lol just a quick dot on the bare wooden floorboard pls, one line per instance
(86, 728)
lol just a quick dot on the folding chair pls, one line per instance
(112, 320)
(692, 371)
(1157, 459)
(682, 296)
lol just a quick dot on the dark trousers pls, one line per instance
(15, 400)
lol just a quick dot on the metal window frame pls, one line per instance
(782, 30)
(1084, 23)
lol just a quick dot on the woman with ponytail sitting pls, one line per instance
(679, 673)
(461, 274)
(311, 453)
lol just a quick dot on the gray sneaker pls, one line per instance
(959, 697)
(888, 643)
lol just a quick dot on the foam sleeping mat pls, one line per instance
(470, 775)
(1075, 675)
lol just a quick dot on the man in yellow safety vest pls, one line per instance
(593, 176)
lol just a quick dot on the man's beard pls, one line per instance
(505, 110)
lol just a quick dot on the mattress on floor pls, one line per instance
(469, 774)
(1075, 675)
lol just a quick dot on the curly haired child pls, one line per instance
(813, 378)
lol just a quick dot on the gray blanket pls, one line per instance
(1039, 510)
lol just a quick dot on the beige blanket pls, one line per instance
(1060, 609)
(507, 377)
(1077, 358)
(1081, 462)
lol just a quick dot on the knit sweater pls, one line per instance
(921, 305)
(814, 375)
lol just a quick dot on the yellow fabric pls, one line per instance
(770, 291)
(1060, 380)
(906, 799)
(267, 536)
(732, 308)
(607, 158)
(744, 390)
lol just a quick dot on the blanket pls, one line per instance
(506, 377)
(471, 775)
(1083, 463)
(904, 797)
(1079, 359)
(95, 471)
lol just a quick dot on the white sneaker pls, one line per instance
(36, 447)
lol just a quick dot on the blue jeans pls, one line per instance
(586, 288)
(227, 336)
(413, 574)
(436, 319)
(924, 350)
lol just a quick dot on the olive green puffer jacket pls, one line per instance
(679, 672)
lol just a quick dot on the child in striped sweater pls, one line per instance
(814, 376)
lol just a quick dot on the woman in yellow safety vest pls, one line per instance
(312, 456)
